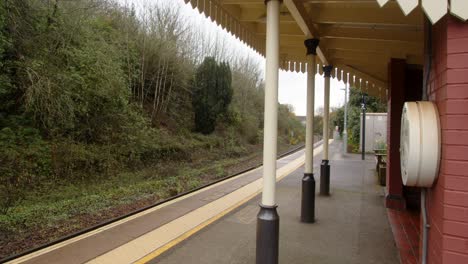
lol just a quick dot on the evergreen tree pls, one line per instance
(212, 94)
(224, 80)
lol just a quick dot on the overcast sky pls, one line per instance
(292, 85)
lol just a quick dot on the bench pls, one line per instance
(381, 166)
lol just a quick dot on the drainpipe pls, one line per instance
(426, 226)
(325, 166)
(308, 181)
(267, 218)
(428, 59)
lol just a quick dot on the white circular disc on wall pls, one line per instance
(419, 144)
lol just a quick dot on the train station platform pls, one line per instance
(217, 224)
(351, 225)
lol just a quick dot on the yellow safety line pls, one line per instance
(191, 232)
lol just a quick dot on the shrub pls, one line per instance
(25, 161)
(78, 161)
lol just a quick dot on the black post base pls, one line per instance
(325, 178)
(267, 235)
(308, 198)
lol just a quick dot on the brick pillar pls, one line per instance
(396, 98)
(413, 92)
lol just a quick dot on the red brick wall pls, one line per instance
(448, 199)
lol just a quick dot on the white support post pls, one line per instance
(325, 166)
(309, 151)
(308, 181)
(268, 219)
(270, 131)
(326, 113)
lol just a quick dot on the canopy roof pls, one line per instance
(356, 36)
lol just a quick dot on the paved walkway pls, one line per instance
(351, 226)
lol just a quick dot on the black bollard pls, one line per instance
(325, 178)
(308, 198)
(267, 235)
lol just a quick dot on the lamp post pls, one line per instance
(345, 126)
(363, 144)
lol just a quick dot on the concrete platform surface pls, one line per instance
(351, 224)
